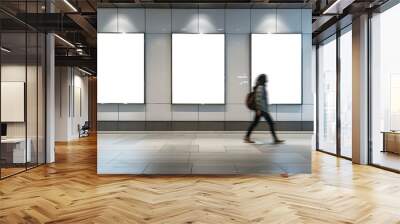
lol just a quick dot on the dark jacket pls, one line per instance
(261, 98)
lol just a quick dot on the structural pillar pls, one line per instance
(50, 92)
(360, 90)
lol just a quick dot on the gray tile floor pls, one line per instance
(201, 153)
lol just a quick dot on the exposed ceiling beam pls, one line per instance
(82, 61)
(86, 26)
(320, 22)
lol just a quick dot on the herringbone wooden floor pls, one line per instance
(70, 191)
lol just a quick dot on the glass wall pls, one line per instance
(327, 95)
(22, 99)
(335, 94)
(385, 89)
(346, 92)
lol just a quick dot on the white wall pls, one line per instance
(237, 24)
(68, 82)
(19, 73)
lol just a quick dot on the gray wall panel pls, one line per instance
(107, 21)
(306, 18)
(237, 67)
(308, 95)
(288, 113)
(289, 21)
(131, 20)
(158, 112)
(185, 112)
(107, 112)
(107, 126)
(289, 126)
(307, 112)
(158, 20)
(184, 126)
(273, 111)
(132, 112)
(185, 21)
(211, 20)
(158, 68)
(158, 126)
(236, 125)
(132, 126)
(307, 126)
(110, 107)
(263, 21)
(211, 112)
(237, 20)
(237, 112)
(211, 126)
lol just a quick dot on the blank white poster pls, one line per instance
(120, 64)
(279, 57)
(198, 69)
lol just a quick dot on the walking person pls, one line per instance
(261, 109)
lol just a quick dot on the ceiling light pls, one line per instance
(70, 5)
(64, 40)
(84, 71)
(5, 50)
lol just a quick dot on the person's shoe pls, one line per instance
(278, 141)
(248, 140)
(285, 175)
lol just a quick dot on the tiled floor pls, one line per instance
(201, 153)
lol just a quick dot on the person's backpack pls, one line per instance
(251, 100)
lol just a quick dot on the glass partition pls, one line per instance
(31, 99)
(346, 93)
(22, 107)
(385, 89)
(15, 149)
(327, 95)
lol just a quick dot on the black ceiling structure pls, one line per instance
(75, 22)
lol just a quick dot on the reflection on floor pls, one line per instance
(387, 159)
(201, 153)
(12, 169)
(8, 171)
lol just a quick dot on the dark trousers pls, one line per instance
(257, 119)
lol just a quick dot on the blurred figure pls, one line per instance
(261, 109)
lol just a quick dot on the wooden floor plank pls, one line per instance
(70, 191)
